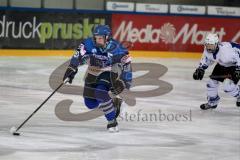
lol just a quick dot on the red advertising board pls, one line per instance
(172, 33)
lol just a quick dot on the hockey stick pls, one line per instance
(13, 130)
(220, 76)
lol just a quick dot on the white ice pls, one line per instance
(206, 135)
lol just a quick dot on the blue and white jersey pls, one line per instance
(87, 50)
(227, 55)
(100, 60)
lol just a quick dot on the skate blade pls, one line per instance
(113, 129)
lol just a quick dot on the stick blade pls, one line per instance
(16, 134)
(13, 131)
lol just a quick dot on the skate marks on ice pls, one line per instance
(93, 138)
(211, 135)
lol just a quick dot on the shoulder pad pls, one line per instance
(225, 44)
(115, 47)
(88, 44)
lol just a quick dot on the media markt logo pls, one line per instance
(167, 33)
(47, 30)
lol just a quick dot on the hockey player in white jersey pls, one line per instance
(227, 69)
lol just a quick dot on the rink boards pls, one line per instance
(144, 54)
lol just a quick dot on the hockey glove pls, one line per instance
(236, 75)
(117, 84)
(70, 73)
(198, 74)
(117, 87)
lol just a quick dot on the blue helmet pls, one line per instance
(102, 30)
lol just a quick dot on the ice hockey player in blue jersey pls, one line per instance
(109, 70)
(227, 69)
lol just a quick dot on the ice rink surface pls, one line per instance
(185, 132)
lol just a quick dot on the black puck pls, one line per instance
(16, 134)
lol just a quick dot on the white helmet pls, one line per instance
(211, 42)
(211, 38)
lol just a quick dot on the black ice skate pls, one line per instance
(117, 102)
(112, 126)
(206, 106)
(238, 102)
